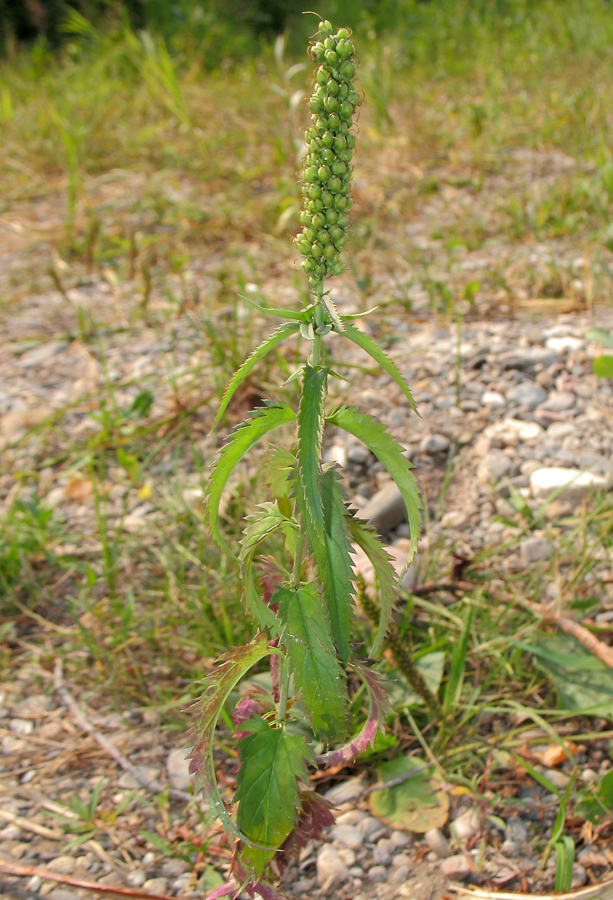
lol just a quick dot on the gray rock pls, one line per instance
(529, 358)
(381, 853)
(574, 483)
(22, 727)
(579, 876)
(559, 401)
(175, 867)
(533, 549)
(156, 885)
(331, 869)
(516, 830)
(457, 867)
(434, 443)
(64, 865)
(385, 509)
(493, 467)
(559, 430)
(349, 835)
(369, 827)
(466, 825)
(303, 885)
(336, 454)
(345, 791)
(510, 848)
(358, 454)
(400, 839)
(526, 394)
(436, 841)
(378, 874)
(63, 894)
(354, 817)
(177, 766)
(136, 878)
(401, 874)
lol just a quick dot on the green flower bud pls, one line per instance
(318, 221)
(338, 167)
(342, 34)
(334, 121)
(325, 154)
(331, 217)
(325, 27)
(330, 43)
(316, 250)
(323, 173)
(329, 251)
(332, 57)
(327, 198)
(347, 69)
(323, 237)
(332, 105)
(318, 52)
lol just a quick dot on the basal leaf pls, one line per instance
(261, 524)
(267, 791)
(387, 580)
(603, 366)
(416, 804)
(282, 332)
(317, 673)
(379, 708)
(233, 667)
(246, 435)
(335, 567)
(366, 429)
(602, 335)
(310, 436)
(366, 343)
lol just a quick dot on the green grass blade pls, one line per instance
(367, 344)
(246, 435)
(297, 316)
(366, 429)
(336, 571)
(565, 857)
(317, 673)
(259, 353)
(387, 580)
(453, 687)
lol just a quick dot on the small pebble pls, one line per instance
(378, 874)
(438, 843)
(136, 878)
(457, 867)
(516, 830)
(466, 825)
(348, 835)
(331, 869)
(400, 874)
(156, 885)
(399, 839)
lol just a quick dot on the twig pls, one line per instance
(48, 875)
(431, 587)
(603, 891)
(569, 626)
(150, 784)
(27, 825)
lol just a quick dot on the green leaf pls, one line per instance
(246, 435)
(597, 805)
(366, 429)
(261, 525)
(297, 316)
(603, 366)
(232, 668)
(366, 343)
(565, 857)
(455, 680)
(250, 363)
(335, 569)
(317, 673)
(310, 437)
(387, 580)
(416, 804)
(602, 335)
(330, 307)
(267, 792)
(583, 682)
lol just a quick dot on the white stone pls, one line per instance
(177, 767)
(564, 343)
(156, 885)
(128, 782)
(22, 727)
(354, 817)
(437, 842)
(331, 869)
(64, 865)
(533, 549)
(572, 483)
(369, 827)
(400, 839)
(377, 874)
(456, 867)
(511, 431)
(136, 878)
(492, 398)
(434, 443)
(455, 518)
(348, 835)
(345, 791)
(466, 825)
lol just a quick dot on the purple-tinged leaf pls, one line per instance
(230, 887)
(254, 702)
(315, 817)
(232, 668)
(379, 708)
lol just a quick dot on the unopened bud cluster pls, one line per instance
(330, 144)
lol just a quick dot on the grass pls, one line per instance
(143, 193)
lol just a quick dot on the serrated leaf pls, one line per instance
(282, 332)
(379, 708)
(310, 437)
(335, 568)
(267, 790)
(603, 366)
(317, 673)
(416, 804)
(602, 335)
(261, 525)
(330, 307)
(315, 817)
(366, 429)
(262, 421)
(387, 580)
(366, 343)
(232, 667)
(297, 316)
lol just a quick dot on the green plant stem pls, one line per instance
(284, 676)
(299, 556)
